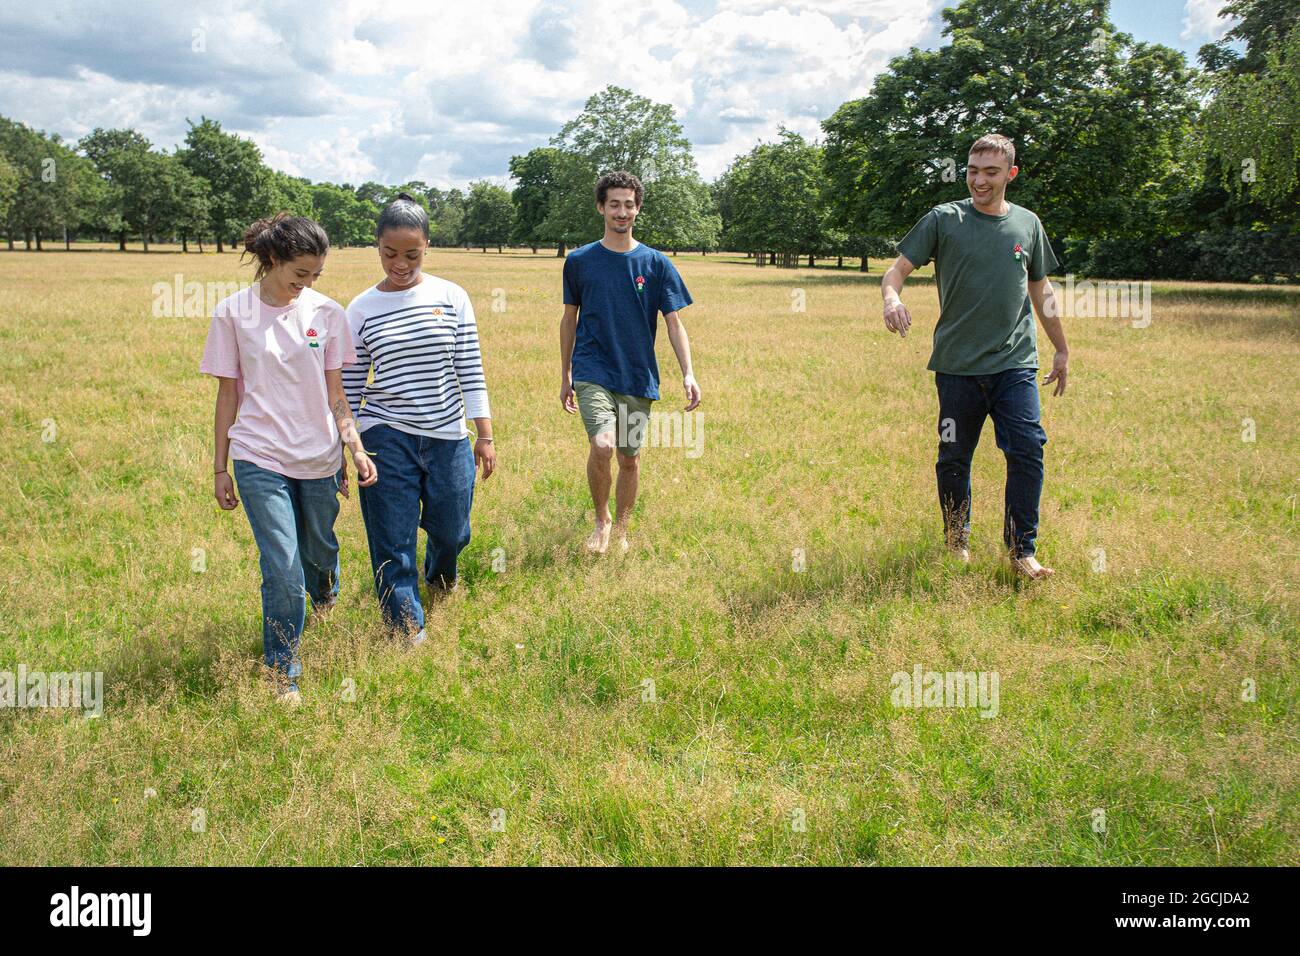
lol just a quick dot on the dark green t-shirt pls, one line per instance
(983, 265)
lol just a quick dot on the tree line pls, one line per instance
(1139, 164)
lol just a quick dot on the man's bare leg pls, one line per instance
(598, 479)
(629, 479)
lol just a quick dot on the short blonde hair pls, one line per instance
(996, 143)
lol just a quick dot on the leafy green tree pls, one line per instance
(489, 215)
(347, 220)
(242, 187)
(1252, 125)
(619, 130)
(1096, 118)
(773, 198)
(446, 217)
(678, 213)
(537, 188)
(292, 194)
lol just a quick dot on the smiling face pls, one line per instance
(401, 253)
(288, 278)
(619, 210)
(987, 175)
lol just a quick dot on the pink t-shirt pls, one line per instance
(278, 357)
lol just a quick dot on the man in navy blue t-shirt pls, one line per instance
(614, 290)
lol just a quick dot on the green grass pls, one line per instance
(1120, 690)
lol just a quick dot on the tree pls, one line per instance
(678, 214)
(242, 188)
(8, 189)
(536, 176)
(1096, 119)
(1252, 126)
(108, 150)
(489, 215)
(773, 198)
(347, 220)
(446, 217)
(619, 130)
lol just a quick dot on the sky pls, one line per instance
(356, 90)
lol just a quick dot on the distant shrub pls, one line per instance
(1239, 255)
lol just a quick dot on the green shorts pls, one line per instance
(627, 416)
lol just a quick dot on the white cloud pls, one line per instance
(1202, 23)
(359, 89)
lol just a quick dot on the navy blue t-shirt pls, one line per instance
(619, 296)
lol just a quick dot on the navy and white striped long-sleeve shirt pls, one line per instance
(423, 346)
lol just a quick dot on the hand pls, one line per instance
(897, 318)
(692, 389)
(567, 398)
(224, 490)
(1060, 363)
(343, 480)
(485, 454)
(367, 473)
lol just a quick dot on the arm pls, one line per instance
(682, 349)
(366, 473)
(897, 318)
(568, 336)
(473, 388)
(227, 407)
(1049, 314)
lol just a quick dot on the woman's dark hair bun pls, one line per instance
(281, 238)
(404, 212)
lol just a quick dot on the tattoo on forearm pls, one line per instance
(343, 416)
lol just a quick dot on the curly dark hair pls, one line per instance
(618, 179)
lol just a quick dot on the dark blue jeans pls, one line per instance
(293, 525)
(1010, 398)
(423, 483)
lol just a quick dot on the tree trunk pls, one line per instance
(499, 250)
(39, 248)
(121, 241)
(865, 266)
(839, 263)
(811, 263)
(185, 242)
(219, 248)
(771, 258)
(534, 248)
(67, 243)
(560, 250)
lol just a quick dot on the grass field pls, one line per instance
(1121, 684)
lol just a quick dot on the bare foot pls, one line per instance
(624, 545)
(1030, 568)
(598, 540)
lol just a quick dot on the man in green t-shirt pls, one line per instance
(991, 260)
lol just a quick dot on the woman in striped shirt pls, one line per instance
(417, 333)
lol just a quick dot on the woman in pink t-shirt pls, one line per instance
(277, 350)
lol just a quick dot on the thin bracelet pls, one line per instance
(482, 438)
(221, 472)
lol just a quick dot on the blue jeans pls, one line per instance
(423, 483)
(293, 525)
(1010, 398)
